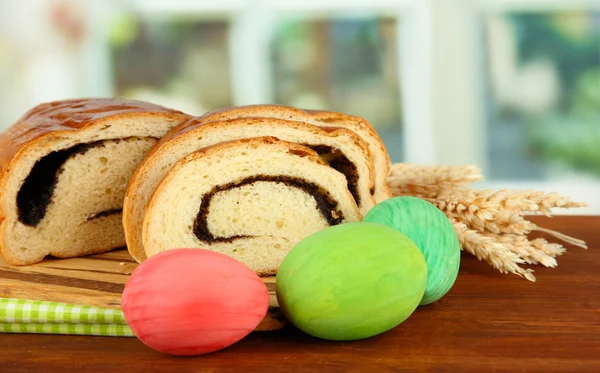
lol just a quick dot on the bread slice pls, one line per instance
(326, 119)
(64, 167)
(251, 199)
(342, 149)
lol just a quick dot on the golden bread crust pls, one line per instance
(57, 118)
(196, 127)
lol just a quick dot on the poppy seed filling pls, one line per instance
(338, 161)
(325, 203)
(37, 191)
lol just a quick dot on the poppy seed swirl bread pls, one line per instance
(64, 167)
(252, 199)
(340, 148)
(323, 119)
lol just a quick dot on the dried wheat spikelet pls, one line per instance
(480, 211)
(473, 210)
(429, 181)
(490, 224)
(515, 200)
(551, 249)
(530, 201)
(488, 210)
(494, 253)
(433, 175)
(417, 190)
(526, 249)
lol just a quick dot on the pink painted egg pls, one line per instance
(193, 301)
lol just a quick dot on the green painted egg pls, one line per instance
(351, 281)
(431, 231)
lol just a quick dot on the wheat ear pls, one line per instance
(432, 175)
(526, 249)
(494, 253)
(429, 181)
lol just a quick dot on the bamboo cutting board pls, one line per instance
(95, 280)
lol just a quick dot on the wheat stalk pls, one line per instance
(531, 201)
(526, 249)
(516, 201)
(551, 249)
(433, 175)
(429, 181)
(481, 212)
(475, 211)
(485, 248)
(497, 211)
(417, 190)
(489, 223)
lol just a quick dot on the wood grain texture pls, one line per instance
(95, 280)
(489, 322)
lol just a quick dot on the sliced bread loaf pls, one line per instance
(340, 148)
(64, 167)
(251, 199)
(325, 119)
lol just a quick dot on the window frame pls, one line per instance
(441, 93)
(584, 189)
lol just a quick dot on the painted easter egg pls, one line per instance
(351, 281)
(193, 301)
(431, 231)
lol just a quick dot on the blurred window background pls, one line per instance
(510, 85)
(543, 72)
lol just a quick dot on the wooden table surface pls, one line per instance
(488, 322)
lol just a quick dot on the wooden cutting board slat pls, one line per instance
(95, 280)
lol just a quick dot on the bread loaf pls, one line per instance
(251, 199)
(341, 148)
(64, 167)
(325, 119)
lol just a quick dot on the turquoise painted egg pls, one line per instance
(431, 231)
(351, 281)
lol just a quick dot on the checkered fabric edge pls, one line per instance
(32, 316)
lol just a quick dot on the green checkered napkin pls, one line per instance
(32, 316)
